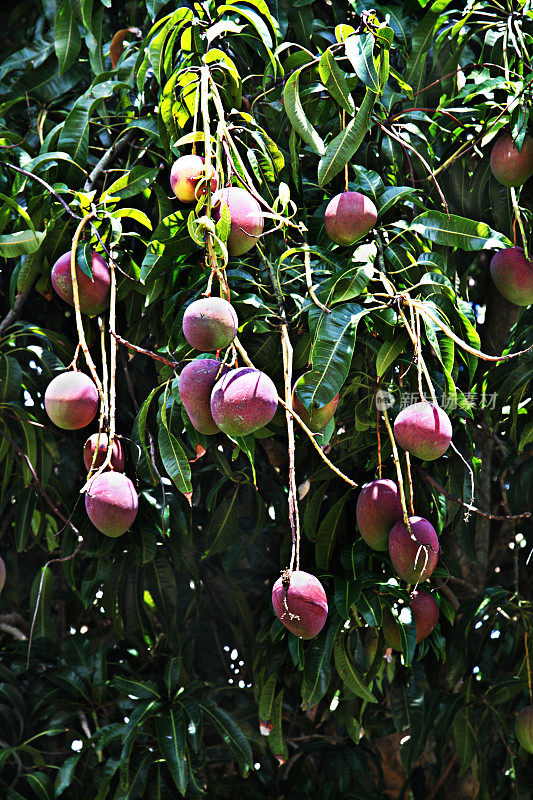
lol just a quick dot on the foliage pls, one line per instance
(157, 666)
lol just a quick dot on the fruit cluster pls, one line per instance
(71, 401)
(240, 401)
(511, 269)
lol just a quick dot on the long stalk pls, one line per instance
(76, 298)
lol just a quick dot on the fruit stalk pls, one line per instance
(518, 217)
(204, 100)
(76, 298)
(398, 472)
(294, 515)
(309, 280)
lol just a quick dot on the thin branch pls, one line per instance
(423, 309)
(309, 280)
(422, 159)
(470, 507)
(110, 154)
(43, 183)
(39, 593)
(38, 484)
(144, 352)
(13, 313)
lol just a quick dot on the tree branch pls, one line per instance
(109, 155)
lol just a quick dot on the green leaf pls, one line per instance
(331, 352)
(317, 670)
(65, 775)
(41, 785)
(333, 79)
(84, 258)
(345, 145)
(359, 51)
(170, 732)
(139, 690)
(174, 460)
(230, 732)
(143, 459)
(25, 508)
(67, 39)
(10, 379)
(464, 737)
(131, 183)
(40, 606)
(20, 243)
(222, 525)
(327, 533)
(391, 196)
(347, 593)
(348, 672)
(276, 740)
(389, 352)
(458, 232)
(266, 703)
(296, 114)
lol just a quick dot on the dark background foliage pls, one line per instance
(155, 657)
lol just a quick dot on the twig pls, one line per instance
(13, 631)
(43, 183)
(445, 590)
(464, 345)
(13, 313)
(144, 352)
(309, 280)
(38, 485)
(518, 218)
(470, 507)
(107, 158)
(39, 593)
(422, 159)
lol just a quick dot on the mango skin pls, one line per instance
(71, 400)
(306, 599)
(2, 574)
(510, 167)
(210, 323)
(93, 292)
(425, 612)
(378, 510)
(100, 440)
(185, 175)
(111, 503)
(349, 216)
(512, 274)
(247, 219)
(243, 401)
(195, 385)
(523, 728)
(424, 430)
(403, 550)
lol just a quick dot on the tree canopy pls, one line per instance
(152, 664)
